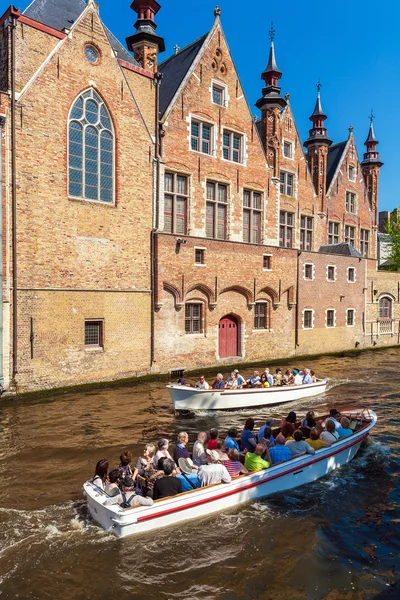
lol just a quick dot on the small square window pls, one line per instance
(350, 317)
(94, 334)
(218, 95)
(308, 271)
(199, 256)
(288, 149)
(330, 318)
(267, 262)
(331, 273)
(352, 173)
(308, 319)
(351, 274)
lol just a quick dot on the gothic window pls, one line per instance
(333, 235)
(175, 203)
(306, 233)
(286, 229)
(216, 208)
(193, 318)
(364, 242)
(91, 150)
(385, 308)
(232, 146)
(201, 137)
(262, 315)
(349, 234)
(251, 217)
(287, 184)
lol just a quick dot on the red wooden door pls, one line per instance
(228, 337)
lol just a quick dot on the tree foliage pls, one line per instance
(393, 244)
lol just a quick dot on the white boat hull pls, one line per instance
(187, 398)
(204, 501)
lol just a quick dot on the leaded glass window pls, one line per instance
(91, 150)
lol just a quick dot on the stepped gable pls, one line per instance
(344, 249)
(174, 71)
(62, 14)
(335, 153)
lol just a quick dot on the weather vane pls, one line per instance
(217, 11)
(319, 85)
(272, 32)
(371, 116)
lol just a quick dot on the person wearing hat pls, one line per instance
(188, 475)
(241, 380)
(128, 497)
(213, 472)
(297, 380)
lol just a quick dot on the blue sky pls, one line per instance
(352, 45)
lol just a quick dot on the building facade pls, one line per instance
(150, 223)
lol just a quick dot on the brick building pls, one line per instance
(135, 244)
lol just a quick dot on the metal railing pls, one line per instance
(386, 326)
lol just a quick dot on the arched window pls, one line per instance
(385, 308)
(91, 149)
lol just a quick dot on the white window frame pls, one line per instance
(213, 136)
(326, 318)
(312, 319)
(334, 234)
(355, 275)
(354, 317)
(334, 273)
(293, 174)
(354, 179)
(355, 234)
(291, 143)
(224, 88)
(351, 212)
(242, 151)
(196, 264)
(308, 264)
(270, 262)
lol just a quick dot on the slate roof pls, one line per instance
(345, 249)
(335, 153)
(60, 14)
(174, 70)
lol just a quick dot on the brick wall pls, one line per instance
(382, 330)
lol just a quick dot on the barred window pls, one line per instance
(252, 206)
(286, 229)
(364, 242)
(306, 233)
(261, 315)
(94, 334)
(91, 149)
(351, 202)
(193, 318)
(287, 181)
(175, 203)
(232, 146)
(349, 234)
(216, 209)
(333, 235)
(201, 137)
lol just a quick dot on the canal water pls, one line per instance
(337, 539)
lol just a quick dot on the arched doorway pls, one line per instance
(228, 337)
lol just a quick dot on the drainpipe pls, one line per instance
(14, 204)
(296, 330)
(153, 244)
(2, 125)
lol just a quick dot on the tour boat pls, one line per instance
(203, 501)
(186, 398)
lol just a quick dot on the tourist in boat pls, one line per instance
(314, 440)
(330, 435)
(199, 451)
(314, 377)
(306, 429)
(145, 461)
(240, 379)
(298, 445)
(344, 429)
(287, 431)
(307, 377)
(188, 475)
(269, 377)
(180, 449)
(233, 464)
(220, 448)
(264, 383)
(248, 439)
(124, 468)
(267, 439)
(213, 472)
(154, 473)
(254, 460)
(112, 485)
(128, 496)
(202, 383)
(334, 416)
(278, 377)
(219, 382)
(310, 415)
(288, 376)
(212, 443)
(279, 452)
(168, 485)
(254, 380)
(100, 474)
(230, 440)
(233, 382)
(297, 378)
(291, 419)
(268, 423)
(162, 446)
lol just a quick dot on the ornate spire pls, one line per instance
(371, 134)
(371, 156)
(271, 76)
(217, 11)
(145, 43)
(318, 132)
